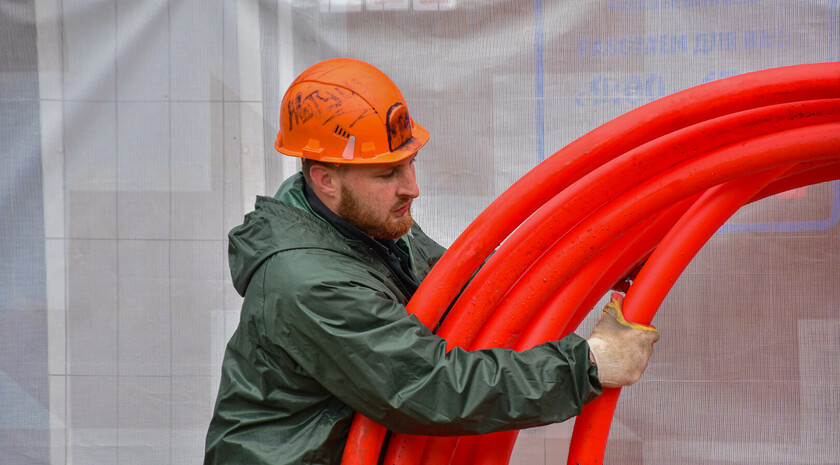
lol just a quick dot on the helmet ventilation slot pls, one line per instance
(341, 132)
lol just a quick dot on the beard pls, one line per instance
(362, 216)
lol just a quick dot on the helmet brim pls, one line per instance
(419, 137)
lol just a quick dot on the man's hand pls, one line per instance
(621, 349)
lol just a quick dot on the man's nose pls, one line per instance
(408, 184)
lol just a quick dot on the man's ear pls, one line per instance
(325, 180)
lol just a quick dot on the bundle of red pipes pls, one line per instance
(649, 187)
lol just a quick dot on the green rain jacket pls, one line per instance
(324, 333)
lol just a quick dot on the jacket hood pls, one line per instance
(277, 224)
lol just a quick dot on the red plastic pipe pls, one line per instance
(584, 196)
(814, 174)
(544, 326)
(465, 452)
(407, 448)
(588, 445)
(488, 450)
(488, 453)
(555, 312)
(688, 235)
(648, 122)
(604, 225)
(592, 437)
(653, 283)
(592, 191)
(439, 449)
(555, 316)
(759, 159)
(521, 316)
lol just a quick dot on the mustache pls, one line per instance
(401, 203)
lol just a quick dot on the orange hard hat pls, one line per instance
(346, 111)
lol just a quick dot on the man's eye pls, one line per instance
(389, 174)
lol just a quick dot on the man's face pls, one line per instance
(377, 198)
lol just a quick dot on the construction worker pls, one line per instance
(326, 268)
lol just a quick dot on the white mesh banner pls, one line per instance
(136, 134)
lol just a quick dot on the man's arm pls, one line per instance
(341, 325)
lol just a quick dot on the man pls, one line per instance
(326, 268)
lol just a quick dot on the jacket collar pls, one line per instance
(389, 251)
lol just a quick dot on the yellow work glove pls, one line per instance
(620, 349)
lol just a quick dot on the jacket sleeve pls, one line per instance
(345, 328)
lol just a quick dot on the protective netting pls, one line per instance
(135, 134)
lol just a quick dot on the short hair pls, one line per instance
(306, 164)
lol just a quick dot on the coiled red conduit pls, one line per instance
(797, 102)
